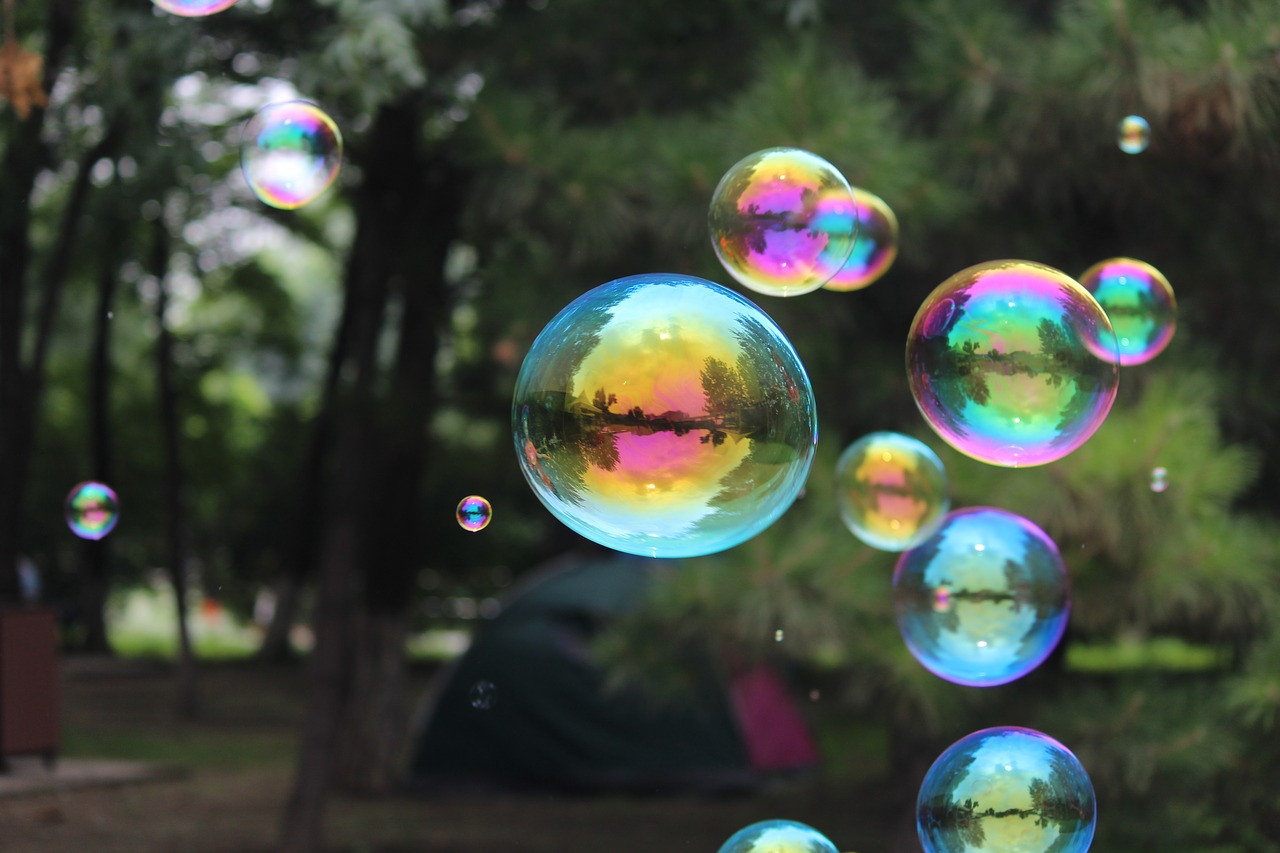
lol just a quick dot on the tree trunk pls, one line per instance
(374, 725)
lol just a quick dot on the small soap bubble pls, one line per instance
(1139, 303)
(194, 8)
(474, 513)
(1006, 788)
(783, 221)
(1133, 135)
(92, 509)
(891, 490)
(664, 415)
(984, 600)
(815, 694)
(1159, 479)
(778, 636)
(290, 153)
(778, 836)
(483, 695)
(874, 248)
(1004, 362)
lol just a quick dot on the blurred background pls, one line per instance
(290, 404)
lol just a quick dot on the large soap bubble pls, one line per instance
(194, 8)
(1003, 789)
(874, 249)
(1003, 361)
(664, 415)
(783, 221)
(984, 600)
(290, 153)
(92, 509)
(1139, 303)
(891, 490)
(778, 836)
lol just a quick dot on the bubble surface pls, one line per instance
(290, 153)
(664, 415)
(1159, 479)
(194, 8)
(875, 247)
(1133, 135)
(92, 509)
(1139, 303)
(984, 600)
(1003, 362)
(482, 695)
(778, 836)
(1006, 788)
(783, 221)
(891, 490)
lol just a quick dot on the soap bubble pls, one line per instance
(891, 490)
(1139, 303)
(194, 8)
(482, 695)
(783, 221)
(1002, 362)
(779, 635)
(984, 600)
(1006, 788)
(92, 509)
(664, 415)
(1159, 479)
(874, 249)
(778, 836)
(474, 513)
(290, 153)
(1134, 134)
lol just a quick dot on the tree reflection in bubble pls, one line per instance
(1006, 788)
(778, 836)
(664, 415)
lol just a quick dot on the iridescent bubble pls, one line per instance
(1159, 479)
(290, 153)
(664, 415)
(1006, 788)
(984, 600)
(874, 249)
(1139, 303)
(779, 635)
(778, 836)
(1002, 359)
(474, 513)
(783, 221)
(194, 8)
(1133, 135)
(483, 694)
(92, 509)
(891, 490)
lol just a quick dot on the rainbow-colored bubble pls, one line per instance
(664, 415)
(778, 836)
(874, 248)
(891, 490)
(783, 221)
(290, 153)
(984, 600)
(474, 513)
(1006, 788)
(91, 509)
(1133, 135)
(1139, 303)
(194, 8)
(1004, 362)
(1159, 479)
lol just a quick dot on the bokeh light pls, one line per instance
(783, 221)
(1004, 789)
(1133, 135)
(891, 490)
(664, 415)
(290, 153)
(984, 600)
(874, 248)
(1139, 303)
(778, 836)
(92, 509)
(194, 8)
(474, 513)
(1004, 362)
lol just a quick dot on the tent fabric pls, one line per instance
(526, 707)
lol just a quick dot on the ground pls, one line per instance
(225, 778)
